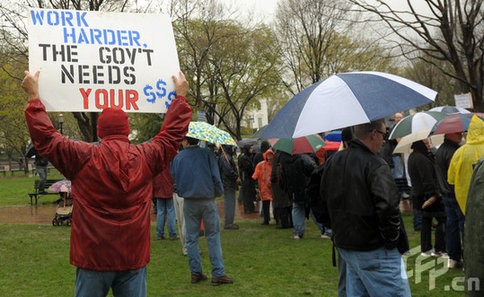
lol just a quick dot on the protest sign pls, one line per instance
(464, 100)
(90, 60)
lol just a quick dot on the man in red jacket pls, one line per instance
(111, 190)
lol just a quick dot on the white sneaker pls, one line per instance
(428, 253)
(439, 254)
(452, 264)
(296, 236)
(325, 236)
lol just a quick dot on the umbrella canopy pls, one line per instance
(206, 132)
(415, 122)
(405, 144)
(333, 136)
(450, 109)
(61, 186)
(454, 123)
(259, 132)
(344, 100)
(300, 145)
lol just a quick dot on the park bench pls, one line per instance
(35, 195)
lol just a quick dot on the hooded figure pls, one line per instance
(263, 176)
(462, 163)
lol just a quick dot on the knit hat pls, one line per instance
(112, 122)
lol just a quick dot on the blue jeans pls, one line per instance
(379, 272)
(454, 229)
(229, 206)
(127, 283)
(195, 210)
(164, 206)
(397, 170)
(298, 219)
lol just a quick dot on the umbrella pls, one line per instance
(206, 132)
(454, 123)
(415, 122)
(344, 100)
(333, 136)
(450, 109)
(300, 145)
(61, 186)
(405, 144)
(259, 132)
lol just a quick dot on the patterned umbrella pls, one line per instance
(300, 145)
(416, 122)
(206, 132)
(454, 123)
(61, 186)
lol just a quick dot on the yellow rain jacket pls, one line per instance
(461, 165)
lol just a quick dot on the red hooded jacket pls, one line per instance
(111, 186)
(163, 184)
(262, 174)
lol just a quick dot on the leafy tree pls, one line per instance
(14, 135)
(14, 35)
(430, 76)
(245, 68)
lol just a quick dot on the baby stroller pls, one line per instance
(63, 211)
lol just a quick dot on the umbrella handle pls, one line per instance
(223, 151)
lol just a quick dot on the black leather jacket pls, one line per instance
(442, 160)
(362, 200)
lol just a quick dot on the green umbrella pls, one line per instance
(416, 122)
(300, 145)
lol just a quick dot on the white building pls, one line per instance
(256, 118)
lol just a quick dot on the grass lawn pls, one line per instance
(264, 261)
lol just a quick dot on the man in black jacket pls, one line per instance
(230, 180)
(454, 228)
(362, 200)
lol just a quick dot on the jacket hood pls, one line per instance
(475, 134)
(269, 151)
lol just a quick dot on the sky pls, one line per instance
(267, 8)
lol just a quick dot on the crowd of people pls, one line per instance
(350, 195)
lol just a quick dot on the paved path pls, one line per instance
(43, 214)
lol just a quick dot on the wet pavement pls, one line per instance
(43, 214)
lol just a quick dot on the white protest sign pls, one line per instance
(464, 100)
(90, 60)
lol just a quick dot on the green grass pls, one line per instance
(14, 190)
(264, 261)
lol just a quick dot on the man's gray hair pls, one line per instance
(363, 130)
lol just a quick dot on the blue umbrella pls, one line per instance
(344, 100)
(333, 136)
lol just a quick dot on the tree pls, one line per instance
(14, 35)
(315, 41)
(13, 130)
(451, 31)
(245, 67)
(197, 27)
(430, 76)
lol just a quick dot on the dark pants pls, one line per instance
(248, 197)
(426, 234)
(266, 204)
(285, 217)
(454, 228)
